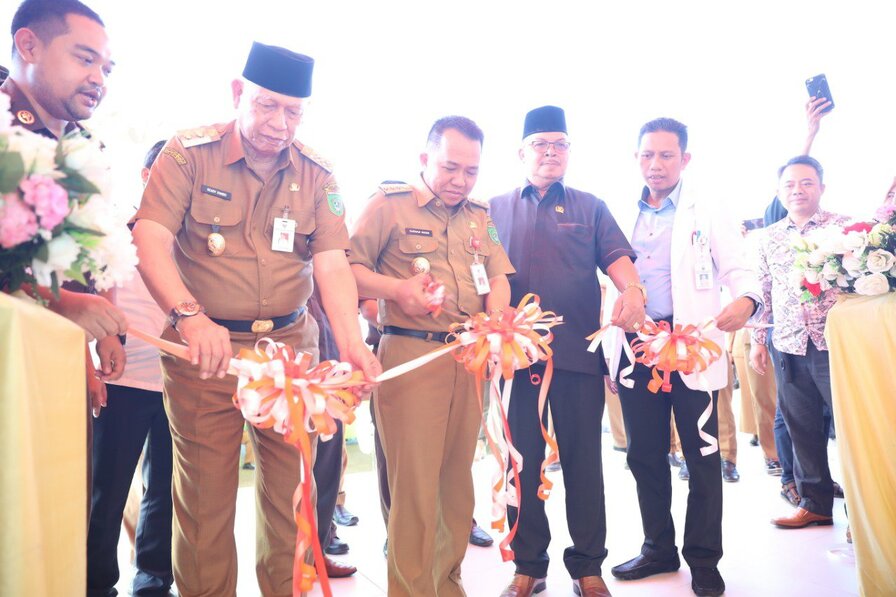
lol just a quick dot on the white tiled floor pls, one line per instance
(760, 560)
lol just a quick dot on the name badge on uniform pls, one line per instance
(284, 234)
(703, 278)
(480, 279)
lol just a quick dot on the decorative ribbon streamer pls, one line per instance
(668, 349)
(278, 388)
(435, 296)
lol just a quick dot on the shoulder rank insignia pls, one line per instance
(395, 187)
(316, 158)
(477, 203)
(198, 136)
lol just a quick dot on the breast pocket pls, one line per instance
(211, 214)
(575, 245)
(413, 244)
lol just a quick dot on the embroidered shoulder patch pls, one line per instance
(198, 136)
(395, 188)
(493, 234)
(181, 160)
(316, 158)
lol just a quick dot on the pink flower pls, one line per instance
(17, 222)
(50, 200)
(858, 227)
(885, 213)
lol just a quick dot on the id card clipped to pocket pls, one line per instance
(284, 235)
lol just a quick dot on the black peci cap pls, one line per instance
(546, 119)
(279, 70)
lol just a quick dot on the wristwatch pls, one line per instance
(639, 287)
(184, 309)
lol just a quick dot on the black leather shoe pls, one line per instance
(729, 472)
(343, 517)
(707, 581)
(337, 547)
(838, 491)
(754, 441)
(478, 537)
(683, 472)
(642, 567)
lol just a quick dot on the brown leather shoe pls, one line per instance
(590, 586)
(801, 519)
(336, 569)
(524, 586)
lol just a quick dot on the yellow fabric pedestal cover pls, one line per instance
(861, 336)
(43, 439)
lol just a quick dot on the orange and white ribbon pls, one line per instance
(277, 388)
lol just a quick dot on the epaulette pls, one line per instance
(395, 187)
(198, 136)
(477, 203)
(316, 158)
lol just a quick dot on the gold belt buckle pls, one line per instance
(262, 326)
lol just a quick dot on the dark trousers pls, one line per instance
(647, 418)
(805, 383)
(327, 472)
(783, 444)
(577, 407)
(131, 419)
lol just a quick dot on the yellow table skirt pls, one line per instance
(861, 336)
(43, 439)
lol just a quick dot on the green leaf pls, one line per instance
(77, 183)
(12, 170)
(43, 252)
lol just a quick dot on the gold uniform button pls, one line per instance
(438, 204)
(264, 302)
(264, 261)
(418, 246)
(217, 220)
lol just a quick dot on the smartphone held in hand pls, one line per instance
(817, 86)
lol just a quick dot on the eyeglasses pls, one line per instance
(541, 146)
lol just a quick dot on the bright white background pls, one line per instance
(385, 70)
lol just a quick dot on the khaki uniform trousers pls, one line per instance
(614, 414)
(428, 421)
(727, 428)
(207, 430)
(759, 396)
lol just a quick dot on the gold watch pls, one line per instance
(640, 287)
(184, 309)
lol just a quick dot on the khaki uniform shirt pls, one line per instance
(402, 222)
(202, 184)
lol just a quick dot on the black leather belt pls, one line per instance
(259, 326)
(428, 336)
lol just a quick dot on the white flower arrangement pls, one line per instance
(57, 222)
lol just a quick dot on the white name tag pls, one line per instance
(284, 234)
(480, 279)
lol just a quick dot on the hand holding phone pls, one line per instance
(818, 87)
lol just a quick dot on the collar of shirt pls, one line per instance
(18, 102)
(557, 189)
(671, 199)
(234, 151)
(818, 220)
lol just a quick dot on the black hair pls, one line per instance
(153, 153)
(806, 161)
(668, 125)
(47, 17)
(462, 124)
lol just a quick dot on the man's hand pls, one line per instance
(611, 385)
(759, 358)
(97, 316)
(209, 344)
(814, 114)
(628, 312)
(360, 356)
(735, 315)
(411, 295)
(112, 358)
(96, 388)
